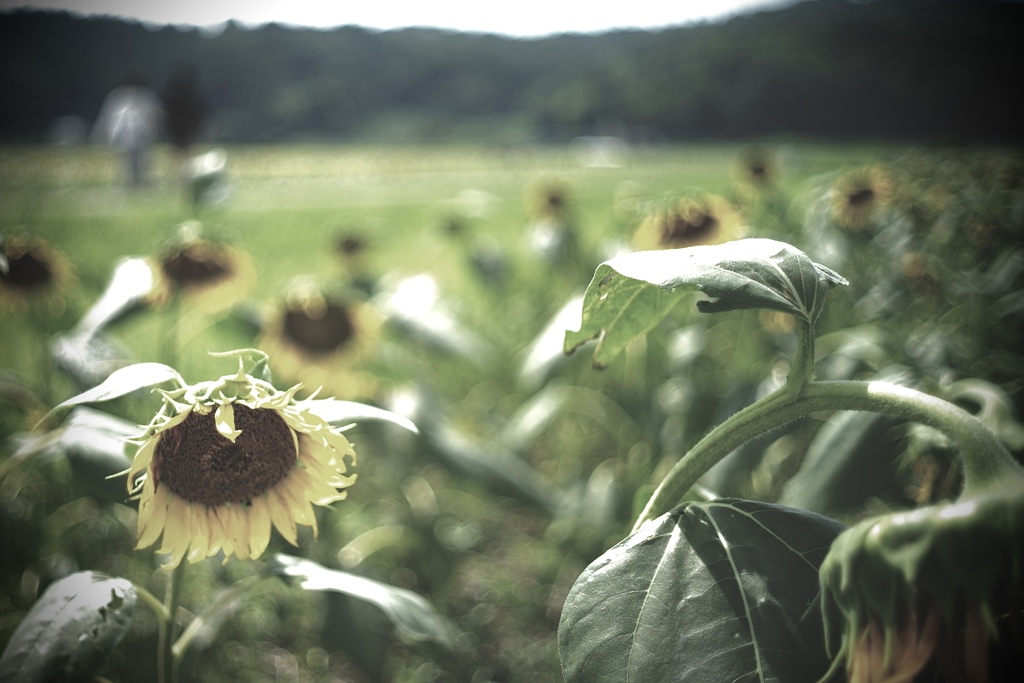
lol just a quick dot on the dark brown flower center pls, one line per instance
(196, 265)
(690, 228)
(319, 334)
(199, 464)
(26, 270)
(861, 197)
(351, 245)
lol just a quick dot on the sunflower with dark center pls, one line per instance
(323, 337)
(208, 276)
(688, 222)
(858, 197)
(756, 166)
(223, 461)
(33, 274)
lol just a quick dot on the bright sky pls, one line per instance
(526, 18)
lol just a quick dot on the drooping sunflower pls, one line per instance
(209, 276)
(859, 196)
(225, 460)
(687, 222)
(323, 337)
(33, 275)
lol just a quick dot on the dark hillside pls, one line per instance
(900, 69)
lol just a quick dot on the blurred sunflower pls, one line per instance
(551, 233)
(352, 249)
(756, 169)
(33, 275)
(224, 460)
(858, 197)
(690, 221)
(321, 338)
(208, 276)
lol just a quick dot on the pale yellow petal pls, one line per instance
(223, 528)
(291, 492)
(152, 513)
(316, 490)
(176, 529)
(143, 457)
(224, 420)
(216, 532)
(238, 530)
(281, 516)
(326, 473)
(259, 527)
(200, 533)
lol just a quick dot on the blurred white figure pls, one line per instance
(131, 118)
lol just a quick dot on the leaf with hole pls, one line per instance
(630, 294)
(70, 630)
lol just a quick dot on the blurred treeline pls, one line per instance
(943, 71)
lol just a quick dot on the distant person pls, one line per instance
(130, 118)
(185, 111)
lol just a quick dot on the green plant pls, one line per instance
(210, 436)
(727, 589)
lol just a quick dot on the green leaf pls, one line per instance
(121, 382)
(630, 294)
(343, 413)
(849, 460)
(70, 630)
(130, 285)
(411, 614)
(711, 592)
(95, 446)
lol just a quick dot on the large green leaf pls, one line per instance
(121, 382)
(712, 592)
(850, 459)
(630, 294)
(70, 630)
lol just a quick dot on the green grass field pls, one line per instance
(288, 204)
(934, 281)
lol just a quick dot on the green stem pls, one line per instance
(153, 603)
(986, 462)
(226, 602)
(167, 670)
(801, 372)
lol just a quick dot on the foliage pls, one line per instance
(903, 69)
(528, 469)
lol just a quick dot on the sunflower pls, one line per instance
(551, 233)
(33, 275)
(756, 167)
(898, 657)
(224, 460)
(859, 196)
(690, 221)
(321, 337)
(209, 276)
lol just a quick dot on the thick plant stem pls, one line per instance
(167, 669)
(801, 372)
(987, 464)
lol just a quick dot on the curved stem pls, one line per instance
(153, 603)
(986, 461)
